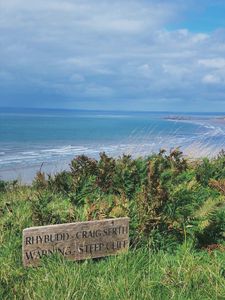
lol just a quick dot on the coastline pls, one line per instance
(29, 147)
(26, 175)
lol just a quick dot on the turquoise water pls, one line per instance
(31, 137)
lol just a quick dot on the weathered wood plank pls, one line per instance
(76, 241)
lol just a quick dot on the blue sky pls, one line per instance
(117, 55)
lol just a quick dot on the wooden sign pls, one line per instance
(76, 241)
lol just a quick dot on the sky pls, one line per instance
(166, 55)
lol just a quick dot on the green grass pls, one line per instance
(140, 274)
(176, 210)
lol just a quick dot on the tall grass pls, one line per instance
(140, 274)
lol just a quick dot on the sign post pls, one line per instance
(76, 241)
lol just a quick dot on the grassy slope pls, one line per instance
(177, 269)
(138, 275)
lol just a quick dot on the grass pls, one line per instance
(139, 274)
(176, 212)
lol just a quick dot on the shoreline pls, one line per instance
(204, 139)
(26, 175)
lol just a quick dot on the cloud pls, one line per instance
(211, 79)
(214, 63)
(110, 53)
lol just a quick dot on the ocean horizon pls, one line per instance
(48, 139)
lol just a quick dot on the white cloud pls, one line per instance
(101, 48)
(214, 63)
(211, 79)
(145, 70)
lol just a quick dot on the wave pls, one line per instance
(206, 140)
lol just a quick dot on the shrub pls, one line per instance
(40, 181)
(106, 173)
(167, 198)
(62, 182)
(211, 169)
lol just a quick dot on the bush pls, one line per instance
(211, 169)
(162, 194)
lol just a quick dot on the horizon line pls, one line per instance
(107, 110)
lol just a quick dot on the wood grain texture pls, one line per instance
(76, 241)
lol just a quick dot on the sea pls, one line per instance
(48, 139)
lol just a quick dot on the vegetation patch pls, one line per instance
(177, 229)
